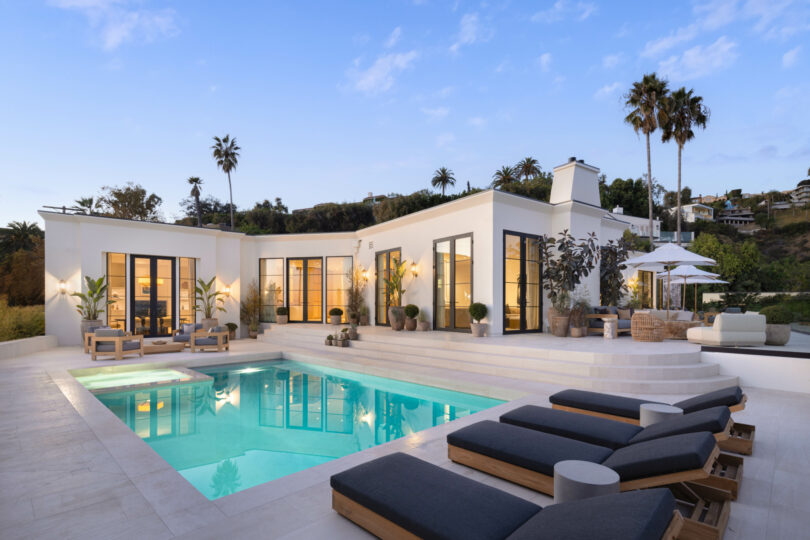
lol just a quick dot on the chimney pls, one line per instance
(575, 181)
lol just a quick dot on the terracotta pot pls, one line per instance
(423, 326)
(334, 319)
(252, 334)
(478, 329)
(777, 334)
(363, 320)
(343, 342)
(327, 342)
(354, 318)
(353, 333)
(579, 331)
(410, 324)
(209, 323)
(559, 325)
(396, 317)
(282, 319)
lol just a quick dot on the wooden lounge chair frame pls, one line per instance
(119, 351)
(384, 528)
(706, 511)
(196, 332)
(223, 343)
(605, 316)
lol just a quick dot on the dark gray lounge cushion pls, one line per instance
(109, 332)
(668, 455)
(637, 515)
(523, 447)
(597, 402)
(727, 396)
(107, 346)
(183, 338)
(205, 341)
(590, 429)
(713, 420)
(432, 502)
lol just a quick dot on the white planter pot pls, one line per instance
(282, 319)
(334, 319)
(478, 329)
(777, 334)
(209, 323)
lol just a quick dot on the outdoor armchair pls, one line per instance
(215, 339)
(116, 343)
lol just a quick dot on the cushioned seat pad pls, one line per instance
(637, 515)
(205, 341)
(110, 347)
(523, 447)
(590, 429)
(668, 455)
(713, 420)
(432, 502)
(597, 402)
(727, 396)
(621, 324)
(184, 338)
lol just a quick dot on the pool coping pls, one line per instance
(191, 377)
(180, 505)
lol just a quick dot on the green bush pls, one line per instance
(282, 310)
(19, 322)
(779, 314)
(231, 326)
(478, 311)
(411, 311)
(335, 312)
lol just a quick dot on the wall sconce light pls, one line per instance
(62, 287)
(415, 270)
(226, 290)
(366, 275)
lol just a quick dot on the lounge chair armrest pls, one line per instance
(601, 316)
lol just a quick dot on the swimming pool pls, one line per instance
(257, 422)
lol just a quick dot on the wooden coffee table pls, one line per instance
(677, 329)
(165, 348)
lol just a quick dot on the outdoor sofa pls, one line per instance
(400, 496)
(596, 323)
(215, 339)
(183, 334)
(116, 343)
(731, 330)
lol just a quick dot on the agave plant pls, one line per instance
(208, 299)
(92, 301)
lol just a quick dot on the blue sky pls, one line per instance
(331, 100)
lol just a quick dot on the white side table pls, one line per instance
(574, 480)
(652, 413)
(611, 330)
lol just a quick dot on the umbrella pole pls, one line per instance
(683, 305)
(695, 297)
(669, 291)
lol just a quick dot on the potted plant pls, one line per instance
(777, 327)
(353, 331)
(328, 340)
(478, 311)
(231, 329)
(344, 337)
(364, 315)
(355, 304)
(282, 315)
(90, 306)
(395, 291)
(411, 311)
(250, 309)
(423, 325)
(560, 314)
(576, 318)
(209, 301)
(335, 314)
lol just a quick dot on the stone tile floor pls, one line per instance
(70, 469)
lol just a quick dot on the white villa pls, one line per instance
(481, 248)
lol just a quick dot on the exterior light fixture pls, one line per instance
(62, 287)
(226, 290)
(415, 270)
(366, 275)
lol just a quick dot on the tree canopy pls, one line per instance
(130, 201)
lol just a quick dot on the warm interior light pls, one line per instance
(146, 282)
(414, 270)
(368, 418)
(144, 406)
(62, 287)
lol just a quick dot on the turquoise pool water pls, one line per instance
(108, 379)
(257, 422)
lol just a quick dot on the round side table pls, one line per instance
(652, 413)
(574, 480)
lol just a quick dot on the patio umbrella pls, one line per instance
(670, 255)
(687, 271)
(697, 280)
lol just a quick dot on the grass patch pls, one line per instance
(17, 322)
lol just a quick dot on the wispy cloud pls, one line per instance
(436, 113)
(444, 139)
(393, 39)
(470, 31)
(700, 61)
(477, 122)
(563, 9)
(380, 76)
(610, 61)
(545, 61)
(122, 21)
(659, 46)
(790, 57)
(607, 90)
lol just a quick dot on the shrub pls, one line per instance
(411, 311)
(336, 312)
(282, 310)
(19, 322)
(231, 326)
(478, 311)
(778, 314)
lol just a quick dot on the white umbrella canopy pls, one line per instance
(688, 271)
(696, 280)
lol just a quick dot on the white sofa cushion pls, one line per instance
(731, 329)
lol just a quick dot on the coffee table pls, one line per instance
(165, 348)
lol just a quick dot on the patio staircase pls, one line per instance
(587, 363)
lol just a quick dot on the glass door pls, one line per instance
(305, 289)
(383, 263)
(522, 298)
(153, 295)
(452, 285)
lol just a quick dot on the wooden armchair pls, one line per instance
(116, 343)
(217, 340)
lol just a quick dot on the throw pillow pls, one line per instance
(625, 314)
(188, 328)
(600, 310)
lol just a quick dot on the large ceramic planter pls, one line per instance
(478, 329)
(209, 323)
(363, 320)
(334, 319)
(579, 331)
(86, 325)
(559, 325)
(253, 334)
(777, 334)
(396, 317)
(352, 333)
(410, 324)
(423, 326)
(282, 319)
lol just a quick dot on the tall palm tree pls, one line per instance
(683, 110)
(645, 101)
(443, 177)
(505, 176)
(226, 153)
(19, 235)
(195, 183)
(87, 204)
(527, 168)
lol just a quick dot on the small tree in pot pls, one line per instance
(209, 301)
(777, 327)
(282, 315)
(355, 305)
(411, 311)
(335, 314)
(92, 303)
(250, 308)
(478, 311)
(565, 262)
(612, 286)
(423, 325)
(395, 291)
(231, 329)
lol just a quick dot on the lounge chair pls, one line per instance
(527, 457)
(89, 334)
(183, 334)
(215, 339)
(116, 343)
(400, 496)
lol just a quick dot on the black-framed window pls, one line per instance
(522, 283)
(152, 293)
(452, 282)
(383, 261)
(338, 284)
(188, 297)
(271, 287)
(117, 290)
(305, 289)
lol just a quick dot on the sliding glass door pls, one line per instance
(522, 298)
(452, 282)
(153, 295)
(383, 264)
(305, 289)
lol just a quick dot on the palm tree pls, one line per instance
(87, 205)
(196, 182)
(505, 176)
(527, 168)
(645, 102)
(683, 111)
(226, 153)
(443, 177)
(19, 235)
